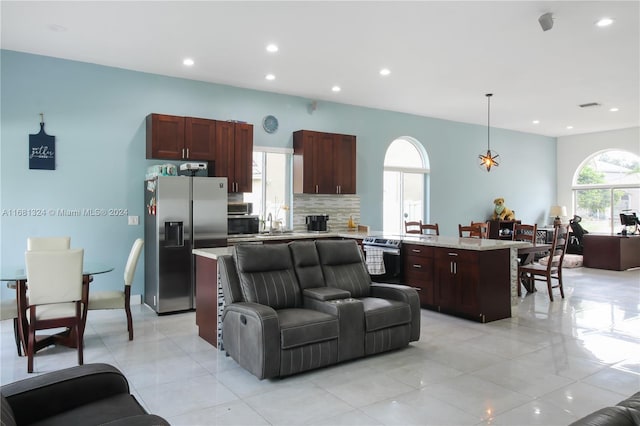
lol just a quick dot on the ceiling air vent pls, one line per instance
(589, 105)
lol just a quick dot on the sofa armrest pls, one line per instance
(401, 293)
(251, 334)
(325, 293)
(62, 390)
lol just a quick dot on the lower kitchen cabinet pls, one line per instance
(418, 271)
(467, 283)
(473, 284)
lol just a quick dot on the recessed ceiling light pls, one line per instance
(604, 22)
(336, 88)
(536, 121)
(270, 77)
(272, 48)
(569, 127)
(614, 109)
(385, 71)
(188, 62)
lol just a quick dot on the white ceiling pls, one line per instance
(443, 56)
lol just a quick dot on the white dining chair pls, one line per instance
(48, 243)
(120, 299)
(55, 295)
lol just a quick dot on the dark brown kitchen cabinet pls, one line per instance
(473, 284)
(172, 137)
(324, 163)
(234, 154)
(418, 271)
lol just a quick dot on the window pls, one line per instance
(406, 168)
(606, 185)
(271, 187)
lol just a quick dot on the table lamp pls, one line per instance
(556, 212)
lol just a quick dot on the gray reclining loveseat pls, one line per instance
(308, 304)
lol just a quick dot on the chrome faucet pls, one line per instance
(270, 220)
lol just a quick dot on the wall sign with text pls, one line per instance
(42, 150)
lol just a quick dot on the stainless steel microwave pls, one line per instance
(239, 208)
(243, 224)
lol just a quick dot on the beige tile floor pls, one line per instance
(550, 364)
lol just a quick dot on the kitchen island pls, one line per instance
(467, 277)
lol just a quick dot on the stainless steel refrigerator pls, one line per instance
(181, 213)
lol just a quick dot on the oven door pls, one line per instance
(376, 257)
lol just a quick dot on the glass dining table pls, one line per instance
(16, 278)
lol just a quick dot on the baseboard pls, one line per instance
(136, 299)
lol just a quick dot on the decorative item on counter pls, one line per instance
(501, 211)
(351, 224)
(42, 149)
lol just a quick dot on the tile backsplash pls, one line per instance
(338, 207)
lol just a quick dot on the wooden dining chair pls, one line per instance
(120, 299)
(524, 232)
(48, 243)
(413, 227)
(428, 228)
(475, 230)
(553, 269)
(55, 295)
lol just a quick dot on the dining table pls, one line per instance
(526, 255)
(16, 278)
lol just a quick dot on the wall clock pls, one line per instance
(270, 124)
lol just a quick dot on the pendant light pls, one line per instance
(490, 158)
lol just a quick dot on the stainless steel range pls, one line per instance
(383, 258)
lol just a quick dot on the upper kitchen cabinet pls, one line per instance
(324, 163)
(234, 154)
(171, 137)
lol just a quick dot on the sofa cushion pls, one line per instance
(343, 266)
(307, 264)
(384, 313)
(267, 276)
(101, 411)
(6, 415)
(304, 326)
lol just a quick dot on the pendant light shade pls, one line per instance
(490, 158)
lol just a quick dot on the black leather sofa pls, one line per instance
(308, 304)
(90, 394)
(625, 413)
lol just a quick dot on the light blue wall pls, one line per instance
(97, 115)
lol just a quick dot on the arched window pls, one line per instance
(605, 185)
(406, 167)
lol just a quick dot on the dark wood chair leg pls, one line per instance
(79, 334)
(16, 334)
(550, 287)
(127, 310)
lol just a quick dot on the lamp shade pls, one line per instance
(557, 211)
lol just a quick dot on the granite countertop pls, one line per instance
(476, 244)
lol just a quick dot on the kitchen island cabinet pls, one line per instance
(473, 284)
(468, 277)
(418, 271)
